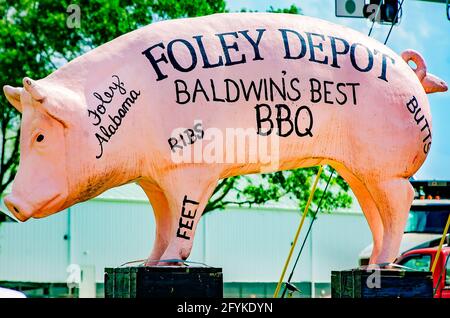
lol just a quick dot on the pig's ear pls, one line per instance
(47, 102)
(34, 89)
(13, 96)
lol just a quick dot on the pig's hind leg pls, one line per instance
(368, 206)
(187, 191)
(393, 198)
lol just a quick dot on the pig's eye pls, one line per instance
(39, 138)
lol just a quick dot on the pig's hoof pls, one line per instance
(165, 262)
(151, 263)
(169, 263)
(174, 257)
(378, 266)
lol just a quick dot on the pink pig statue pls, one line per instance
(320, 92)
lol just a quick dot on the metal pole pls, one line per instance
(438, 253)
(297, 234)
(313, 218)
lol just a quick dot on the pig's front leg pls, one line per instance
(187, 192)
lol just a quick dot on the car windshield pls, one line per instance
(417, 262)
(430, 219)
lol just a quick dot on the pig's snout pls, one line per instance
(20, 210)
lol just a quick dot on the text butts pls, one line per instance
(184, 55)
(419, 117)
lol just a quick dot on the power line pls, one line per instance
(307, 233)
(375, 17)
(393, 22)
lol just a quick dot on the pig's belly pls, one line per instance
(280, 135)
(346, 121)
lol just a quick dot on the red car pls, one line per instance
(422, 259)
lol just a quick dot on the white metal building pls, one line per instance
(250, 245)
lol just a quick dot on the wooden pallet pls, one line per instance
(163, 282)
(392, 283)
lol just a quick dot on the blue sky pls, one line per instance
(425, 28)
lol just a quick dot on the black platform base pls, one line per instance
(163, 282)
(392, 283)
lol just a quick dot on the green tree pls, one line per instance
(293, 185)
(35, 40)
